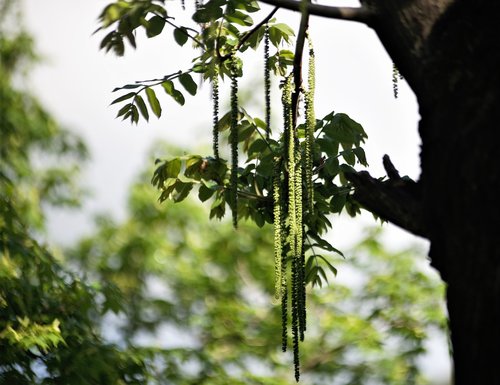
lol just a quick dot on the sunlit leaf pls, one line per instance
(153, 101)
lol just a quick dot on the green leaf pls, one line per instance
(124, 110)
(345, 130)
(153, 102)
(266, 166)
(257, 146)
(111, 14)
(337, 202)
(182, 191)
(107, 39)
(240, 18)
(330, 266)
(204, 193)
(285, 30)
(142, 107)
(155, 26)
(127, 87)
(279, 32)
(323, 244)
(328, 146)
(135, 114)
(131, 38)
(123, 97)
(169, 88)
(312, 273)
(181, 36)
(209, 12)
(188, 83)
(249, 6)
(360, 154)
(172, 168)
(332, 166)
(349, 157)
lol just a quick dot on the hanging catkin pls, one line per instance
(396, 76)
(234, 141)
(215, 112)
(278, 235)
(288, 137)
(296, 243)
(294, 219)
(299, 253)
(267, 81)
(310, 126)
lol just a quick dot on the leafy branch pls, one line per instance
(131, 110)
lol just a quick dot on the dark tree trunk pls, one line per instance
(449, 51)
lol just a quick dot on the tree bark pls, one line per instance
(449, 51)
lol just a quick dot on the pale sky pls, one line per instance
(354, 76)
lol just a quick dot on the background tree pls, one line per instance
(48, 328)
(447, 52)
(198, 301)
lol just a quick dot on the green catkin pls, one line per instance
(284, 281)
(294, 224)
(278, 250)
(395, 78)
(299, 249)
(298, 203)
(267, 81)
(287, 133)
(284, 311)
(310, 126)
(302, 298)
(215, 114)
(293, 231)
(295, 318)
(297, 305)
(234, 142)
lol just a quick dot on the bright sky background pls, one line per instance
(354, 75)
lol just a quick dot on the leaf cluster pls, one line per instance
(220, 27)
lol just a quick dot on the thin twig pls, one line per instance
(183, 29)
(251, 32)
(254, 29)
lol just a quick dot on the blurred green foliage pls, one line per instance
(198, 299)
(35, 152)
(48, 328)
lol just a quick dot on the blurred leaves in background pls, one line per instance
(199, 301)
(48, 317)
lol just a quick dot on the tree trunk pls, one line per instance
(449, 51)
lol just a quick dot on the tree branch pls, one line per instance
(358, 14)
(396, 200)
(297, 59)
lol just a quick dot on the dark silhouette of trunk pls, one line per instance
(449, 51)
